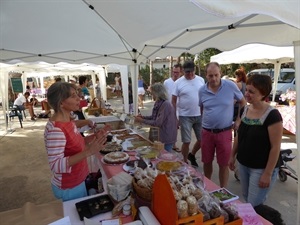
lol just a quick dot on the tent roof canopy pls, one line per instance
(81, 31)
(255, 53)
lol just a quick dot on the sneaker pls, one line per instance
(33, 119)
(192, 158)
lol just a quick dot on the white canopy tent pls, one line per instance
(123, 32)
(258, 53)
(43, 69)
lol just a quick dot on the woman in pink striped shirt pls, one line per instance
(67, 150)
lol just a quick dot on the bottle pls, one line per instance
(100, 185)
(126, 210)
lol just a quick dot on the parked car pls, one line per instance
(286, 81)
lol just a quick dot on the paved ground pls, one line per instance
(25, 174)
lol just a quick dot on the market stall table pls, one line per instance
(109, 171)
(288, 117)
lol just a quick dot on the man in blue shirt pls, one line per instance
(216, 100)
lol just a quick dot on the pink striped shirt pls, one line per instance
(62, 140)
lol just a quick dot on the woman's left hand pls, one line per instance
(264, 181)
(101, 133)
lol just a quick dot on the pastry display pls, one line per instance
(139, 163)
(148, 153)
(187, 185)
(168, 156)
(111, 147)
(182, 208)
(168, 166)
(116, 158)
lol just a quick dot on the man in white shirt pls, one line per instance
(23, 103)
(170, 86)
(170, 82)
(185, 99)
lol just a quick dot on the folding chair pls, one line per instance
(21, 110)
(14, 111)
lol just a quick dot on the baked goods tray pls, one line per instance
(94, 206)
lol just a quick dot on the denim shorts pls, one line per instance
(168, 147)
(249, 178)
(78, 191)
(187, 123)
(21, 107)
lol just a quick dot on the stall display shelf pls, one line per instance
(165, 209)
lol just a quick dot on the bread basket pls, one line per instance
(144, 193)
(94, 108)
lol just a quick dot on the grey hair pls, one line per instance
(57, 93)
(159, 91)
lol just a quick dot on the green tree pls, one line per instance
(159, 75)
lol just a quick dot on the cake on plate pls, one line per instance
(111, 147)
(116, 157)
(168, 166)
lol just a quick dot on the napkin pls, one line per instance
(119, 186)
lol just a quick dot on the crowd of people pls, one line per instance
(213, 109)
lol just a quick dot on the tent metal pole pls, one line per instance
(276, 76)
(297, 74)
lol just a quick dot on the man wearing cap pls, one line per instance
(185, 100)
(216, 100)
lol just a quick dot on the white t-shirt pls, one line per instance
(20, 100)
(169, 85)
(187, 92)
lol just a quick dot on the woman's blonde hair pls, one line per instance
(59, 92)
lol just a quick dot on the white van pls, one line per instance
(286, 80)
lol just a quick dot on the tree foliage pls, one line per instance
(158, 75)
(201, 60)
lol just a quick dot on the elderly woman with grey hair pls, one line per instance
(163, 116)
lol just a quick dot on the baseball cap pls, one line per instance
(188, 66)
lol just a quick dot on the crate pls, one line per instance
(165, 209)
(164, 204)
(239, 221)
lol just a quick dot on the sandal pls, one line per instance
(176, 149)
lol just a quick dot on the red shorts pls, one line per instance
(219, 143)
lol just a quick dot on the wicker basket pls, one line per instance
(142, 192)
(93, 108)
